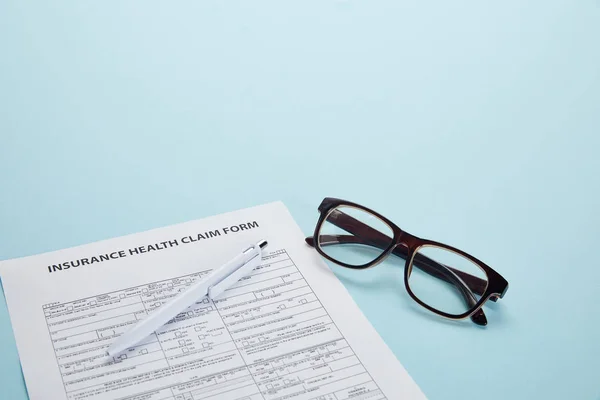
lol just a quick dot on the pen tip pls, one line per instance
(263, 243)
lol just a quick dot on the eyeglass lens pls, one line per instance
(346, 235)
(449, 294)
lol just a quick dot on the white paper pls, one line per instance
(288, 331)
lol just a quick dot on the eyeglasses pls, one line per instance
(441, 278)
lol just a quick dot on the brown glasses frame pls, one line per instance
(405, 245)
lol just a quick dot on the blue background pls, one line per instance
(472, 123)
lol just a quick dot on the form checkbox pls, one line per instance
(303, 301)
(144, 351)
(269, 386)
(205, 344)
(70, 308)
(185, 350)
(93, 303)
(205, 301)
(190, 314)
(201, 337)
(121, 296)
(198, 328)
(261, 339)
(245, 343)
(188, 280)
(177, 334)
(144, 290)
(182, 342)
(123, 357)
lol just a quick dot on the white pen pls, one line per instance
(217, 281)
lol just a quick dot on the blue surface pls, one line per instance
(473, 124)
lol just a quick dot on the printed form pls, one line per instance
(287, 331)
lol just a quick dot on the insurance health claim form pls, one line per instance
(287, 331)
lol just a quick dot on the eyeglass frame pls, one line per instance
(406, 245)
